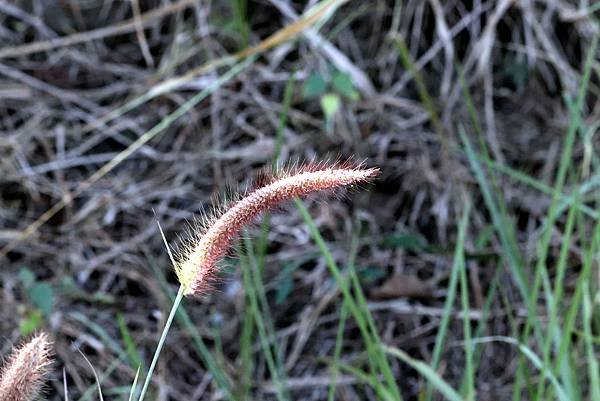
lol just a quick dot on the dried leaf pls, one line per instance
(402, 285)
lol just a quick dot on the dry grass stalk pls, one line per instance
(196, 263)
(286, 33)
(23, 374)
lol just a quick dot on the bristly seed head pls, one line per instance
(196, 264)
(23, 374)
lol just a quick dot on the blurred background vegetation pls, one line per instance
(468, 270)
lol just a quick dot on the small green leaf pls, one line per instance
(408, 241)
(68, 288)
(515, 68)
(132, 352)
(285, 283)
(41, 296)
(330, 103)
(26, 277)
(369, 274)
(284, 289)
(314, 86)
(31, 322)
(19, 26)
(484, 237)
(342, 83)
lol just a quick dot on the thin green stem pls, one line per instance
(161, 342)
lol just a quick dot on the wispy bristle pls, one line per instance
(23, 375)
(196, 264)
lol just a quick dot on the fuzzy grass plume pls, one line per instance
(196, 263)
(23, 374)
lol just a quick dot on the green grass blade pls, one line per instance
(288, 95)
(566, 201)
(479, 332)
(553, 331)
(240, 21)
(134, 384)
(116, 362)
(533, 358)
(376, 356)
(99, 331)
(161, 343)
(339, 339)
(247, 365)
(133, 354)
(553, 211)
(421, 87)
(450, 297)
(590, 354)
(250, 286)
(511, 253)
(337, 351)
(100, 396)
(185, 321)
(427, 372)
(256, 270)
(370, 379)
(464, 292)
(562, 362)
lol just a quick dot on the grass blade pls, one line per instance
(450, 297)
(427, 372)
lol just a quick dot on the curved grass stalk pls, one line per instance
(161, 342)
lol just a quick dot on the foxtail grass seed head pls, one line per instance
(196, 263)
(23, 373)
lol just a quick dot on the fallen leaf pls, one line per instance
(402, 285)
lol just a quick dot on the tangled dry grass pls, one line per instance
(82, 82)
